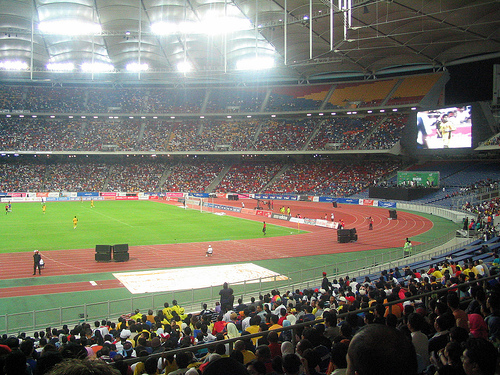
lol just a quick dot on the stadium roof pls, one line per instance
(370, 38)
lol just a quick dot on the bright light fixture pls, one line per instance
(61, 67)
(136, 67)
(69, 27)
(209, 26)
(255, 63)
(184, 66)
(13, 65)
(97, 67)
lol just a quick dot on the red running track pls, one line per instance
(386, 234)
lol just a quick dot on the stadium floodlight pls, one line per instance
(165, 28)
(210, 25)
(184, 67)
(13, 65)
(60, 67)
(255, 63)
(69, 27)
(98, 67)
(136, 67)
(224, 25)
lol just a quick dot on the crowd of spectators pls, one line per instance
(302, 178)
(21, 176)
(55, 99)
(247, 177)
(75, 176)
(66, 99)
(234, 101)
(284, 135)
(235, 135)
(493, 141)
(174, 101)
(328, 177)
(354, 178)
(282, 103)
(345, 133)
(387, 134)
(122, 134)
(91, 134)
(193, 176)
(11, 98)
(355, 326)
(39, 134)
(134, 176)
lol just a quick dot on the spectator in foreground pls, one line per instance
(83, 367)
(479, 357)
(378, 350)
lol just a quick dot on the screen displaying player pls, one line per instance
(444, 128)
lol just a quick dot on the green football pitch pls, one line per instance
(133, 222)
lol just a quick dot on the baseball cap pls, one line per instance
(125, 334)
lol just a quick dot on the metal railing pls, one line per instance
(193, 299)
(424, 298)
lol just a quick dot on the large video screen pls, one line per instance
(445, 128)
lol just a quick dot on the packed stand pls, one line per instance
(175, 101)
(193, 176)
(237, 135)
(183, 136)
(356, 177)
(345, 133)
(121, 100)
(234, 101)
(75, 176)
(55, 99)
(304, 177)
(387, 134)
(284, 135)
(39, 134)
(124, 135)
(20, 176)
(282, 103)
(248, 177)
(135, 177)
(155, 135)
(451, 332)
(11, 98)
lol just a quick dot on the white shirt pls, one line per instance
(421, 344)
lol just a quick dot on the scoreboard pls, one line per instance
(418, 179)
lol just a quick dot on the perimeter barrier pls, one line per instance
(193, 299)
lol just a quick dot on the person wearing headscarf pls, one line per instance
(478, 327)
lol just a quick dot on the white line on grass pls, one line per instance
(112, 218)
